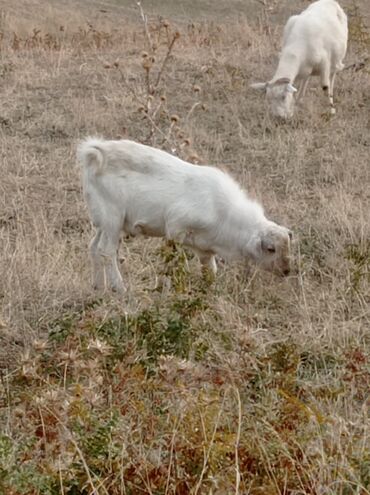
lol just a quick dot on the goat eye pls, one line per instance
(271, 249)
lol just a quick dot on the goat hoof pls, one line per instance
(97, 287)
(119, 289)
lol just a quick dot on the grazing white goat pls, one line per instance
(138, 189)
(314, 44)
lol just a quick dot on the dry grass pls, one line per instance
(250, 384)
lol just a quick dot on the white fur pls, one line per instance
(138, 189)
(314, 44)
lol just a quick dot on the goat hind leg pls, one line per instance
(108, 248)
(96, 261)
(327, 82)
(331, 92)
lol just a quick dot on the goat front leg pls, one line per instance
(208, 262)
(302, 89)
(207, 259)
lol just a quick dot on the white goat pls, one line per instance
(138, 189)
(314, 43)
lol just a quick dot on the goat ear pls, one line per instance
(259, 86)
(282, 80)
(291, 89)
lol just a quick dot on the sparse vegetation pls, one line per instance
(242, 384)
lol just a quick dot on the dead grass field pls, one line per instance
(247, 385)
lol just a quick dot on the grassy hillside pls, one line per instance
(247, 384)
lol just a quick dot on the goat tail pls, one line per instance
(91, 154)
